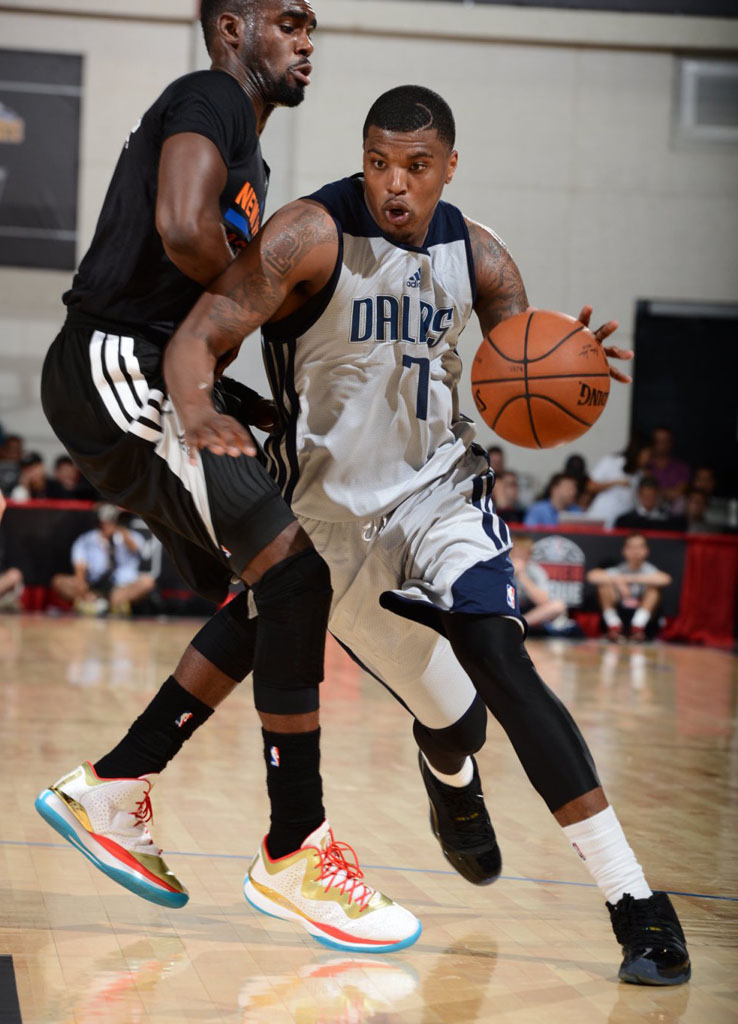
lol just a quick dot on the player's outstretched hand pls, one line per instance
(220, 434)
(611, 351)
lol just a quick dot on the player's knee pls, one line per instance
(293, 600)
(228, 639)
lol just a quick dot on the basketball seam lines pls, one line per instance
(539, 376)
(527, 390)
(544, 355)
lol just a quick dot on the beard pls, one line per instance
(286, 92)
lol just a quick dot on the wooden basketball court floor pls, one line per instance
(535, 948)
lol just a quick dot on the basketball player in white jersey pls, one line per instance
(362, 291)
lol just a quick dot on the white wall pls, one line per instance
(564, 133)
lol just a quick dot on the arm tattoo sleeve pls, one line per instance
(500, 288)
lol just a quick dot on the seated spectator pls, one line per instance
(496, 458)
(11, 449)
(613, 484)
(106, 564)
(671, 474)
(32, 481)
(576, 466)
(505, 497)
(649, 512)
(560, 497)
(703, 479)
(11, 579)
(536, 604)
(67, 483)
(630, 593)
(695, 512)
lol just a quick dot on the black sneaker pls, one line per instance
(460, 822)
(652, 939)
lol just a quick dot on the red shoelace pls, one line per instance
(144, 811)
(334, 864)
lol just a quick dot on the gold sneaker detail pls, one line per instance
(322, 887)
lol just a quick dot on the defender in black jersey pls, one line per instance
(187, 193)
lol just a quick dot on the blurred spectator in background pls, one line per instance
(649, 512)
(671, 474)
(11, 449)
(536, 604)
(613, 483)
(630, 593)
(67, 483)
(11, 579)
(32, 480)
(496, 458)
(106, 564)
(505, 497)
(695, 512)
(561, 494)
(703, 479)
(576, 466)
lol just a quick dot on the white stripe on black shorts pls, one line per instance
(103, 393)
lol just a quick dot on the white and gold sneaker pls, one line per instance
(106, 820)
(322, 888)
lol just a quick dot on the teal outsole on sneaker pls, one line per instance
(347, 947)
(171, 900)
(392, 947)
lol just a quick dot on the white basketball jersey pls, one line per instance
(366, 372)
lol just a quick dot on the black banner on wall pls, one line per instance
(40, 97)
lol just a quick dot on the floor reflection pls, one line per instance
(331, 990)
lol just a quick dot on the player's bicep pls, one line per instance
(192, 175)
(500, 289)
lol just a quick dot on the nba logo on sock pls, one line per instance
(184, 717)
(274, 756)
(511, 595)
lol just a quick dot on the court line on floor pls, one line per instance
(9, 1006)
(390, 867)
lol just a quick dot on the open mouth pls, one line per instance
(396, 214)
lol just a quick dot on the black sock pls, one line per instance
(156, 735)
(295, 788)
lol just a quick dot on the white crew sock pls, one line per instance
(611, 617)
(601, 843)
(641, 618)
(462, 778)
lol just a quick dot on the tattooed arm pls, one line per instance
(501, 293)
(290, 260)
(500, 288)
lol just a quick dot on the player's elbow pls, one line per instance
(178, 234)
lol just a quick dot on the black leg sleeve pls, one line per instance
(545, 737)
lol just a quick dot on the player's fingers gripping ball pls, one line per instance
(540, 379)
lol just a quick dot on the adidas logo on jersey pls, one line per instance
(414, 281)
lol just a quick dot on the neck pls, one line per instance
(248, 81)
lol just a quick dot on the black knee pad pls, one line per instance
(446, 749)
(228, 639)
(293, 600)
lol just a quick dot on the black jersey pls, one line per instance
(126, 277)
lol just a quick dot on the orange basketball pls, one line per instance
(540, 379)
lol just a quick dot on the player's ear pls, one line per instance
(453, 162)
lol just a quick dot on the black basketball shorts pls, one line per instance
(104, 395)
